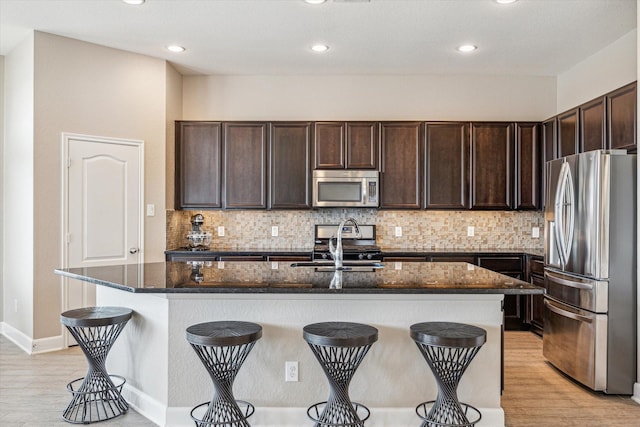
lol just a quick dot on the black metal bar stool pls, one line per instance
(222, 348)
(96, 397)
(339, 347)
(448, 349)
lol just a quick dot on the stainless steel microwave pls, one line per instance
(345, 188)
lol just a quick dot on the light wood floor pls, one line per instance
(33, 393)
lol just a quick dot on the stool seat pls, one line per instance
(448, 334)
(95, 316)
(223, 333)
(97, 396)
(340, 334)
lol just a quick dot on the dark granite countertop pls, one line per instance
(282, 277)
(386, 251)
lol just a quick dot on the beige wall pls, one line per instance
(369, 97)
(608, 69)
(54, 85)
(174, 112)
(1, 181)
(18, 176)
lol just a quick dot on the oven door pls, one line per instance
(575, 341)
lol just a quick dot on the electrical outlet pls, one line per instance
(398, 265)
(220, 231)
(151, 209)
(535, 232)
(221, 265)
(398, 231)
(291, 371)
(471, 231)
(274, 231)
(274, 265)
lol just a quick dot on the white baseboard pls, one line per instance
(286, 417)
(636, 393)
(28, 344)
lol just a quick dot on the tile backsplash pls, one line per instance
(420, 229)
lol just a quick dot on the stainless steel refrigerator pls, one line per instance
(590, 269)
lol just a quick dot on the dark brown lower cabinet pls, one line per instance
(513, 305)
(535, 309)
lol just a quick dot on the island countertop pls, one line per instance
(283, 278)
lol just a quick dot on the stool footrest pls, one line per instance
(469, 417)
(95, 399)
(246, 409)
(361, 411)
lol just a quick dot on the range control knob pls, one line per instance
(325, 256)
(360, 256)
(369, 256)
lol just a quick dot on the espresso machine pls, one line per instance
(198, 240)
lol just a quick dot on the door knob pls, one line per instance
(133, 250)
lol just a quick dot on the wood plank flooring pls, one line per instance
(33, 391)
(536, 394)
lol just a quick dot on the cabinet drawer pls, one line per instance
(285, 258)
(404, 259)
(453, 258)
(501, 263)
(536, 267)
(241, 258)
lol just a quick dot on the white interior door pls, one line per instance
(103, 218)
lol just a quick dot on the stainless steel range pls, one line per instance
(354, 247)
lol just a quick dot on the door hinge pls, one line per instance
(68, 162)
(68, 237)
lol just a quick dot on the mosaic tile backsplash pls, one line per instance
(420, 229)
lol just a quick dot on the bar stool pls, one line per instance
(98, 397)
(448, 349)
(339, 347)
(223, 347)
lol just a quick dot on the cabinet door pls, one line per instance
(447, 165)
(197, 165)
(535, 309)
(528, 166)
(549, 152)
(401, 175)
(290, 164)
(491, 165)
(621, 107)
(568, 133)
(329, 145)
(592, 125)
(245, 165)
(362, 145)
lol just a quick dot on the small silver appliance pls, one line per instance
(198, 240)
(345, 188)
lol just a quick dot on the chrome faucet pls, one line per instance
(336, 251)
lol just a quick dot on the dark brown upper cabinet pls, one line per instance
(401, 165)
(568, 132)
(290, 165)
(623, 118)
(447, 165)
(491, 165)
(550, 139)
(245, 151)
(593, 120)
(350, 145)
(528, 166)
(198, 148)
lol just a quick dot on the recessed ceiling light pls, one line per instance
(467, 48)
(506, 1)
(133, 1)
(319, 48)
(315, 1)
(175, 48)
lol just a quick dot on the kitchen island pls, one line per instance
(165, 379)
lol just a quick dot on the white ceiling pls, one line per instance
(529, 37)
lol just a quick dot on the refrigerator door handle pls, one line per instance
(565, 313)
(564, 213)
(570, 283)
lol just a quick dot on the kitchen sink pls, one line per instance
(346, 265)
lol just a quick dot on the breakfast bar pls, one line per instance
(165, 379)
